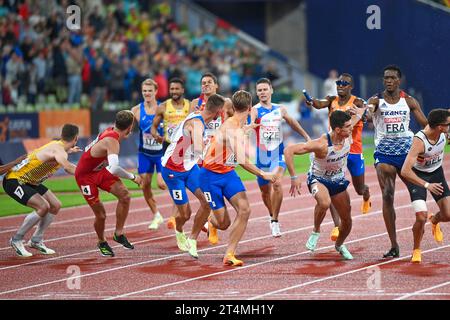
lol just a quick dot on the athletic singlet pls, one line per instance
(269, 134)
(148, 144)
(391, 121)
(180, 155)
(433, 156)
(88, 163)
(219, 158)
(32, 170)
(357, 147)
(333, 166)
(173, 117)
(214, 124)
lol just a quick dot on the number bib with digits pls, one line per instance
(149, 143)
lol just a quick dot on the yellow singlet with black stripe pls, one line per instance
(32, 170)
(173, 116)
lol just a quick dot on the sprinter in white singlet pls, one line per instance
(423, 171)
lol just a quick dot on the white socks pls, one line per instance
(29, 222)
(42, 226)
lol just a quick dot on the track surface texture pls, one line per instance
(274, 268)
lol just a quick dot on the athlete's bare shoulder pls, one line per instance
(136, 111)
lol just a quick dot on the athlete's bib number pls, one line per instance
(19, 192)
(149, 143)
(177, 195)
(86, 190)
(330, 173)
(271, 136)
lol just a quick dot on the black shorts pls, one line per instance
(22, 192)
(420, 193)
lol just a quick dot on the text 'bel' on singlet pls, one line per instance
(433, 154)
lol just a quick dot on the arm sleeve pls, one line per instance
(115, 169)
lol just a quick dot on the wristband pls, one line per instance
(294, 177)
(426, 185)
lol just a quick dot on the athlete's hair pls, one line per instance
(149, 82)
(124, 119)
(177, 80)
(69, 132)
(210, 75)
(348, 75)
(393, 67)
(242, 100)
(437, 117)
(338, 119)
(214, 103)
(264, 80)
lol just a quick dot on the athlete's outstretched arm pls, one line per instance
(372, 107)
(112, 148)
(195, 129)
(61, 158)
(6, 167)
(417, 148)
(294, 124)
(159, 116)
(297, 149)
(416, 111)
(321, 103)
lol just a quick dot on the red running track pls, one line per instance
(275, 268)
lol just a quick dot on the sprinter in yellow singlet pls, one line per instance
(24, 181)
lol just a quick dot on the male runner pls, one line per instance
(180, 169)
(270, 147)
(218, 179)
(326, 177)
(99, 168)
(24, 181)
(391, 116)
(150, 150)
(423, 170)
(209, 86)
(355, 164)
(171, 112)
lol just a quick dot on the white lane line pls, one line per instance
(184, 254)
(423, 291)
(271, 261)
(344, 273)
(253, 205)
(248, 184)
(282, 213)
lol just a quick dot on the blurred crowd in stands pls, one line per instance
(120, 43)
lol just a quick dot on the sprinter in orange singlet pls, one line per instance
(218, 179)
